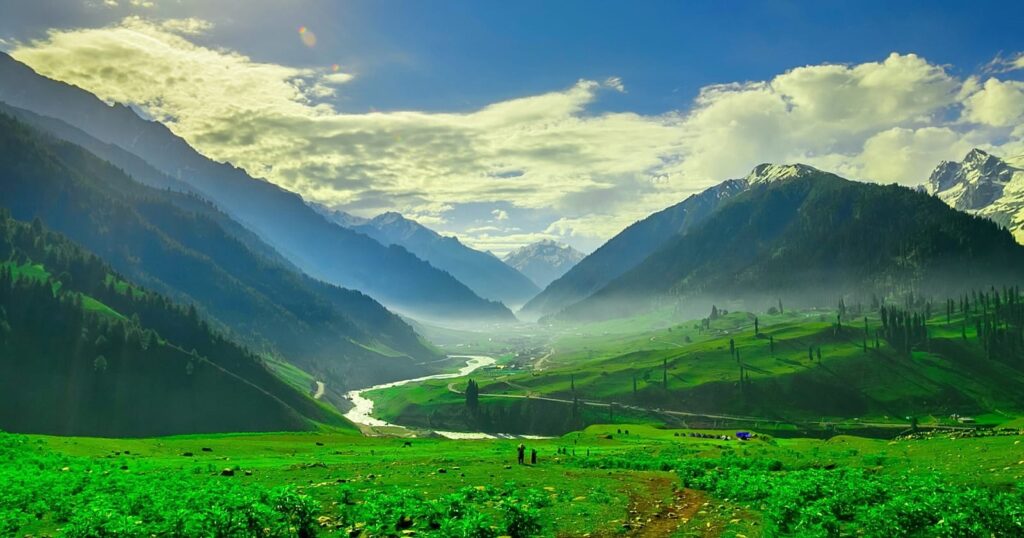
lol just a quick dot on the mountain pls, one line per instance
(482, 272)
(174, 244)
(85, 353)
(810, 238)
(321, 248)
(543, 261)
(627, 249)
(985, 185)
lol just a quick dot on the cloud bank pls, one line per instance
(576, 174)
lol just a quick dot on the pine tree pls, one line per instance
(472, 395)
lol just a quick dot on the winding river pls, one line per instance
(362, 407)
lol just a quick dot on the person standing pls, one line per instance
(521, 451)
(533, 456)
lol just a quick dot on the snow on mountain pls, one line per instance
(767, 172)
(482, 272)
(985, 185)
(544, 261)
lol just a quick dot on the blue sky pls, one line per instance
(619, 108)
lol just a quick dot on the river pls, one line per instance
(362, 407)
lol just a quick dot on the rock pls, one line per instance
(187, 454)
(227, 472)
(371, 476)
(207, 449)
(248, 473)
(318, 443)
(441, 471)
(124, 467)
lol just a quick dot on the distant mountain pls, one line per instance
(481, 271)
(175, 244)
(85, 353)
(543, 261)
(811, 237)
(985, 185)
(281, 218)
(627, 249)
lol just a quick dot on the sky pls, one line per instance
(508, 122)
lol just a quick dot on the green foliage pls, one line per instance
(841, 501)
(481, 512)
(90, 498)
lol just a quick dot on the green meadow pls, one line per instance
(601, 481)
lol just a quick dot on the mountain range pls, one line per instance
(183, 247)
(809, 236)
(627, 249)
(485, 274)
(985, 185)
(543, 261)
(322, 249)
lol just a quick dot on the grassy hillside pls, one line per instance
(85, 353)
(799, 370)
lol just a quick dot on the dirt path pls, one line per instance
(658, 509)
(539, 365)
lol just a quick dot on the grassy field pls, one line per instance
(800, 371)
(647, 482)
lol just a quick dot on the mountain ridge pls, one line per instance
(628, 248)
(487, 276)
(321, 248)
(983, 184)
(809, 237)
(543, 261)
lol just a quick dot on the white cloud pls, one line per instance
(615, 83)
(589, 174)
(998, 103)
(899, 153)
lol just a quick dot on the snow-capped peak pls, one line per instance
(767, 172)
(973, 183)
(986, 185)
(543, 261)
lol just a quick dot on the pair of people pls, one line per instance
(521, 452)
